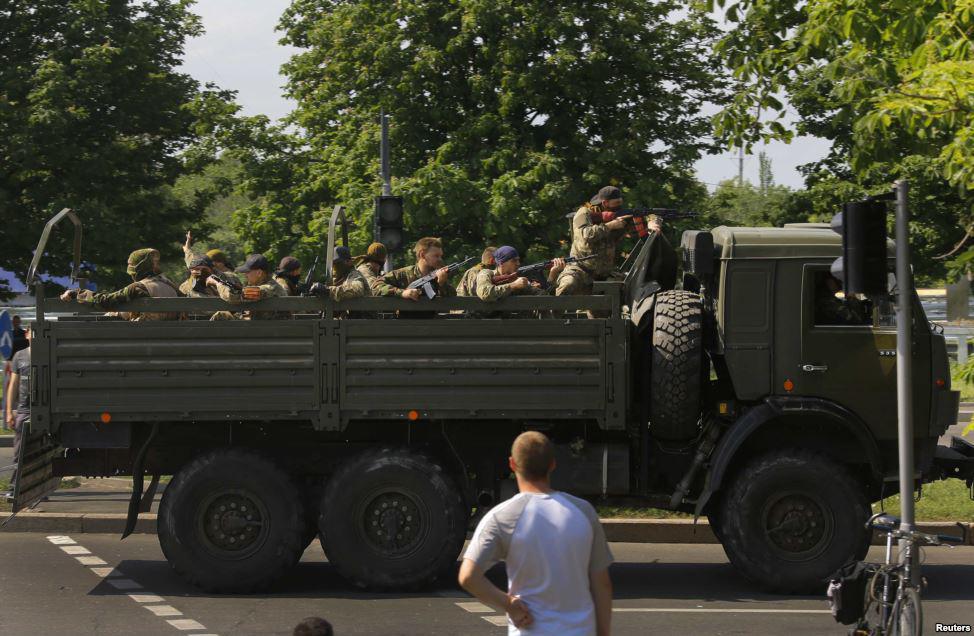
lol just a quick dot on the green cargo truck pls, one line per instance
(740, 393)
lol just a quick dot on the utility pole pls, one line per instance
(384, 155)
(740, 166)
(904, 363)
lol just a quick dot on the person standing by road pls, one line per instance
(18, 395)
(555, 550)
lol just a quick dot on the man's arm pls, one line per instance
(600, 586)
(13, 384)
(473, 580)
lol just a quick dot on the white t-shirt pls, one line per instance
(550, 543)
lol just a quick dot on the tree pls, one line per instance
(887, 82)
(505, 116)
(94, 116)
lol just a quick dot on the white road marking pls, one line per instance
(185, 624)
(75, 549)
(146, 598)
(475, 608)
(124, 584)
(117, 580)
(106, 572)
(163, 610)
(90, 560)
(729, 610)
(500, 621)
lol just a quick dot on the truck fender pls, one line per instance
(771, 409)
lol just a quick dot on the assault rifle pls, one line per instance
(428, 283)
(534, 268)
(639, 215)
(229, 280)
(304, 289)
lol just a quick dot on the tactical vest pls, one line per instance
(159, 287)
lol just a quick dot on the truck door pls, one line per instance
(34, 476)
(848, 353)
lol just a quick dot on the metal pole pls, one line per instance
(904, 361)
(384, 153)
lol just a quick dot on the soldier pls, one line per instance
(429, 258)
(371, 263)
(508, 261)
(220, 261)
(468, 282)
(200, 268)
(832, 310)
(148, 282)
(347, 282)
(259, 286)
(288, 275)
(590, 235)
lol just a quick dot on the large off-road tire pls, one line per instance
(677, 368)
(231, 521)
(392, 519)
(791, 518)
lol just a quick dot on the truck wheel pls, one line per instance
(392, 519)
(677, 366)
(231, 521)
(791, 518)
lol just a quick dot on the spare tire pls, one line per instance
(677, 366)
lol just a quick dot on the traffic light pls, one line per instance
(863, 267)
(387, 224)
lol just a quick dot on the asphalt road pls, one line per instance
(665, 589)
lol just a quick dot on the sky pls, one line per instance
(240, 51)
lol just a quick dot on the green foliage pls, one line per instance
(505, 116)
(95, 116)
(744, 204)
(889, 83)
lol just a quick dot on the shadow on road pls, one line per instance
(710, 582)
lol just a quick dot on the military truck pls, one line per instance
(746, 392)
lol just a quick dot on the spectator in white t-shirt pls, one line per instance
(554, 548)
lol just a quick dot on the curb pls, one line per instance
(616, 530)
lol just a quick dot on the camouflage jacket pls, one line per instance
(487, 290)
(370, 277)
(187, 288)
(590, 238)
(268, 289)
(354, 285)
(155, 286)
(290, 289)
(467, 285)
(393, 283)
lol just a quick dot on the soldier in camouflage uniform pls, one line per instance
(468, 282)
(148, 282)
(371, 263)
(288, 275)
(347, 282)
(220, 261)
(259, 285)
(590, 235)
(200, 268)
(429, 258)
(508, 261)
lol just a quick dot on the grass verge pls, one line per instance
(941, 501)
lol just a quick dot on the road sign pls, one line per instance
(6, 335)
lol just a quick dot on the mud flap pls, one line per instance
(34, 476)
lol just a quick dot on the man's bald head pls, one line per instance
(533, 454)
